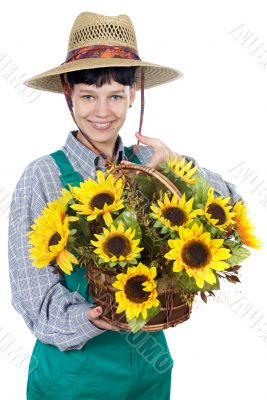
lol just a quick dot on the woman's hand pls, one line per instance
(93, 315)
(161, 151)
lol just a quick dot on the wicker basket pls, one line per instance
(174, 309)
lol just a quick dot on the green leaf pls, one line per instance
(215, 286)
(239, 254)
(214, 232)
(112, 263)
(129, 219)
(189, 283)
(134, 261)
(122, 263)
(84, 226)
(200, 190)
(174, 235)
(164, 229)
(157, 224)
(230, 244)
(151, 312)
(194, 221)
(137, 323)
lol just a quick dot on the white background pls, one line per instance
(216, 113)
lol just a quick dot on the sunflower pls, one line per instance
(182, 169)
(49, 236)
(198, 254)
(217, 212)
(174, 213)
(59, 205)
(244, 226)
(99, 198)
(136, 291)
(117, 244)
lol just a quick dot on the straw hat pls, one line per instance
(98, 41)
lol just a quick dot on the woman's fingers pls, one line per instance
(94, 316)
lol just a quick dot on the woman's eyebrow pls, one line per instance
(94, 91)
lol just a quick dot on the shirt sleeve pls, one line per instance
(221, 187)
(53, 314)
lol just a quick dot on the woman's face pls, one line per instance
(101, 112)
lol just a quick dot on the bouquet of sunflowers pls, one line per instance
(148, 248)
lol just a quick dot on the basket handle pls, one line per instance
(156, 174)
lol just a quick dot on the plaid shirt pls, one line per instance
(53, 313)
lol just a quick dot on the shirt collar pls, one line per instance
(86, 158)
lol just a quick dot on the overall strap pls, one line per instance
(68, 173)
(77, 280)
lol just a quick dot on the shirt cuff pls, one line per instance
(85, 327)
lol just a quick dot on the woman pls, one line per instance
(77, 354)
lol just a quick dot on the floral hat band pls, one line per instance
(103, 51)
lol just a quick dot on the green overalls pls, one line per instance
(114, 365)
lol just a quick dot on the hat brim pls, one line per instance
(154, 74)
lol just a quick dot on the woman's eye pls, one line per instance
(89, 97)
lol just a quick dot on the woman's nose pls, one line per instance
(101, 108)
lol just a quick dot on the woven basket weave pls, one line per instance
(174, 309)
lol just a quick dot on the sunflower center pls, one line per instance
(175, 215)
(55, 238)
(100, 199)
(134, 289)
(118, 245)
(217, 212)
(195, 254)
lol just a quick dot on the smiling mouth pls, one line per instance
(101, 126)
